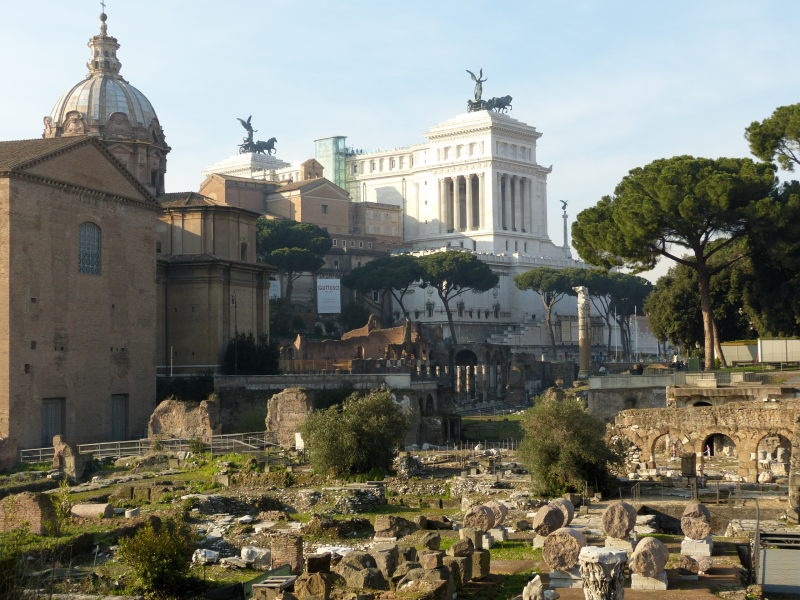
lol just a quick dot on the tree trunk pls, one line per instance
(624, 336)
(704, 287)
(399, 299)
(548, 308)
(450, 322)
(387, 318)
(717, 346)
(289, 288)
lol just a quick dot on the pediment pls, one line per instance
(86, 165)
(327, 189)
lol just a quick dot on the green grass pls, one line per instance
(492, 429)
(515, 550)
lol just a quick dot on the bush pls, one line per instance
(62, 507)
(564, 447)
(10, 561)
(249, 356)
(360, 435)
(159, 556)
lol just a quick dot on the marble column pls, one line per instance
(497, 201)
(457, 224)
(470, 211)
(516, 203)
(529, 204)
(505, 192)
(584, 332)
(442, 206)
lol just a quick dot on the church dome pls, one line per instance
(97, 98)
(104, 104)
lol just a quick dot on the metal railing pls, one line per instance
(636, 492)
(242, 443)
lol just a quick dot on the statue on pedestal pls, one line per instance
(258, 147)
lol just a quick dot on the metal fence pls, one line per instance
(242, 443)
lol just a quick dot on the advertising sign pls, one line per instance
(329, 296)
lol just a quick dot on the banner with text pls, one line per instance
(329, 296)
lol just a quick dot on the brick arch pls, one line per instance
(786, 434)
(746, 423)
(651, 462)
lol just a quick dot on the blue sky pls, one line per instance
(611, 85)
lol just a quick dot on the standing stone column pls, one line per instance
(458, 225)
(515, 193)
(584, 332)
(603, 573)
(470, 200)
(482, 217)
(442, 206)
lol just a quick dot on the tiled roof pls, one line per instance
(17, 153)
(178, 199)
(299, 185)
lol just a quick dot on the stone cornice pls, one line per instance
(82, 191)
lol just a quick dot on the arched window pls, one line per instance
(89, 245)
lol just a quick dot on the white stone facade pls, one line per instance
(474, 185)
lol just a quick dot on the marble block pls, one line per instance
(566, 579)
(703, 547)
(640, 582)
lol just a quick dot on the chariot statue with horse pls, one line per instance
(502, 104)
(258, 147)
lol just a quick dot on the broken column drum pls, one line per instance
(562, 547)
(619, 519)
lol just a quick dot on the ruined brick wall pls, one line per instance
(286, 413)
(186, 420)
(287, 549)
(680, 396)
(606, 403)
(31, 510)
(746, 423)
(368, 342)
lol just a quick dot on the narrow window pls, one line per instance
(324, 209)
(89, 247)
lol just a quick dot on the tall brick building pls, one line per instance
(104, 277)
(77, 293)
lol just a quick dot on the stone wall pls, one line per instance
(186, 420)
(680, 396)
(286, 413)
(746, 423)
(32, 510)
(606, 403)
(369, 342)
